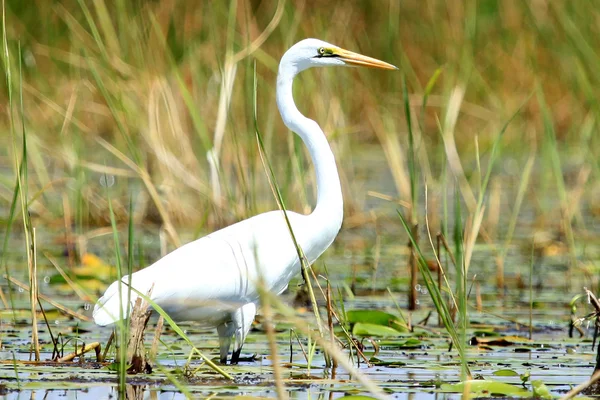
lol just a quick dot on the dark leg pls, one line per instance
(235, 356)
(242, 321)
(225, 333)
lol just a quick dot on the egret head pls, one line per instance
(317, 53)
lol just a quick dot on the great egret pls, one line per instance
(213, 280)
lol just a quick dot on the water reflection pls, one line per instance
(136, 392)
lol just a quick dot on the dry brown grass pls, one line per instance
(153, 81)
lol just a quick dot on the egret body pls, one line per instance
(213, 280)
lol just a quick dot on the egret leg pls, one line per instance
(242, 321)
(225, 332)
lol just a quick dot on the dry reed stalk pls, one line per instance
(578, 191)
(68, 118)
(145, 176)
(452, 112)
(447, 248)
(493, 216)
(213, 155)
(227, 81)
(136, 353)
(84, 349)
(179, 163)
(52, 105)
(156, 340)
(385, 197)
(4, 301)
(50, 301)
(583, 386)
(107, 347)
(393, 153)
(76, 288)
(267, 312)
(292, 331)
(106, 170)
(472, 238)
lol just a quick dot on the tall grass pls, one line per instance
(152, 87)
(7, 64)
(22, 188)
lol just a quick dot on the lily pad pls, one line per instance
(486, 388)
(365, 329)
(505, 372)
(375, 317)
(382, 363)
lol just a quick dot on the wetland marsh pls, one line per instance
(127, 130)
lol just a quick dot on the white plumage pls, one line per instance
(213, 280)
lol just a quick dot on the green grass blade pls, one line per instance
(411, 153)
(496, 150)
(95, 32)
(436, 296)
(123, 324)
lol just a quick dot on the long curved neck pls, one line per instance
(330, 203)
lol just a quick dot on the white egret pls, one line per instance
(213, 280)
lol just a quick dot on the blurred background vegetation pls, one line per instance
(154, 99)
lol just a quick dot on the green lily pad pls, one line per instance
(505, 372)
(375, 317)
(365, 329)
(382, 363)
(486, 388)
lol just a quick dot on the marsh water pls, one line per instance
(362, 265)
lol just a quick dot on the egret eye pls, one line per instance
(321, 50)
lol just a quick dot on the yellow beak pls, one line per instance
(352, 58)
